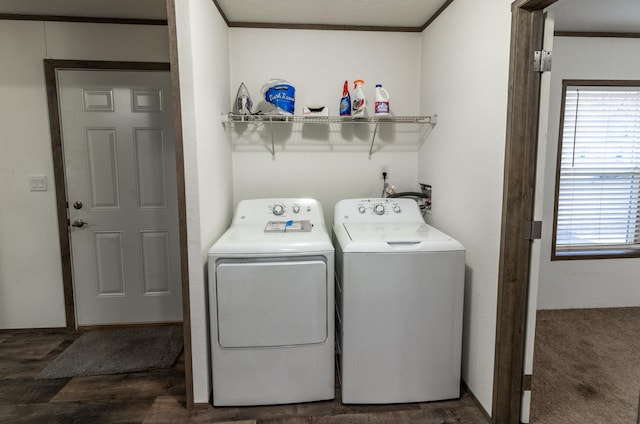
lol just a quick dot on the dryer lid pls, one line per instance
(252, 239)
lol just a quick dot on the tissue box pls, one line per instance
(315, 111)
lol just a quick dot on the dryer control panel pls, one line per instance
(261, 211)
(295, 208)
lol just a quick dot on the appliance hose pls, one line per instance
(408, 194)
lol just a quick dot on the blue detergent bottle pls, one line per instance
(345, 102)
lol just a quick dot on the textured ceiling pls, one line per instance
(571, 15)
(597, 15)
(125, 9)
(397, 13)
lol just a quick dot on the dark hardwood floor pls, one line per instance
(158, 396)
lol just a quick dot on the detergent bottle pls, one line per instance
(345, 102)
(359, 107)
(382, 101)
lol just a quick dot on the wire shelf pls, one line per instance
(388, 132)
(231, 117)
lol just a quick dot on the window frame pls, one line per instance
(584, 253)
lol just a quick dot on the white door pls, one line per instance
(120, 169)
(534, 265)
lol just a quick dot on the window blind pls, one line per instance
(599, 185)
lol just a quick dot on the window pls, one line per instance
(598, 184)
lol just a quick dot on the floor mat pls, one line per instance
(115, 351)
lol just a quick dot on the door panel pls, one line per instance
(155, 262)
(271, 303)
(118, 143)
(109, 269)
(103, 168)
(150, 159)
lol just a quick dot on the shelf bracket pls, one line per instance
(373, 139)
(273, 146)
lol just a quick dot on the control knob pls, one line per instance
(278, 210)
(361, 209)
(296, 208)
(379, 209)
(397, 209)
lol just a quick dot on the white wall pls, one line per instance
(317, 63)
(204, 88)
(584, 283)
(31, 294)
(465, 59)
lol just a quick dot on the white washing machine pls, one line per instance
(271, 297)
(399, 301)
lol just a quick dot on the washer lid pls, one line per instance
(394, 237)
(402, 232)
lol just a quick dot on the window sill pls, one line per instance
(595, 254)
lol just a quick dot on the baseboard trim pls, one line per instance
(201, 405)
(44, 330)
(476, 401)
(130, 325)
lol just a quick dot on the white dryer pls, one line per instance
(271, 297)
(399, 297)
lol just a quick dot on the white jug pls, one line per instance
(382, 101)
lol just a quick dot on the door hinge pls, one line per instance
(542, 61)
(533, 230)
(526, 382)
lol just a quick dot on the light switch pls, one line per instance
(37, 182)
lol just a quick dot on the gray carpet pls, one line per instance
(586, 366)
(116, 351)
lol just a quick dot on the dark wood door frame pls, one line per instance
(51, 66)
(523, 103)
(182, 202)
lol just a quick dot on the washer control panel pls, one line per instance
(377, 210)
(379, 207)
